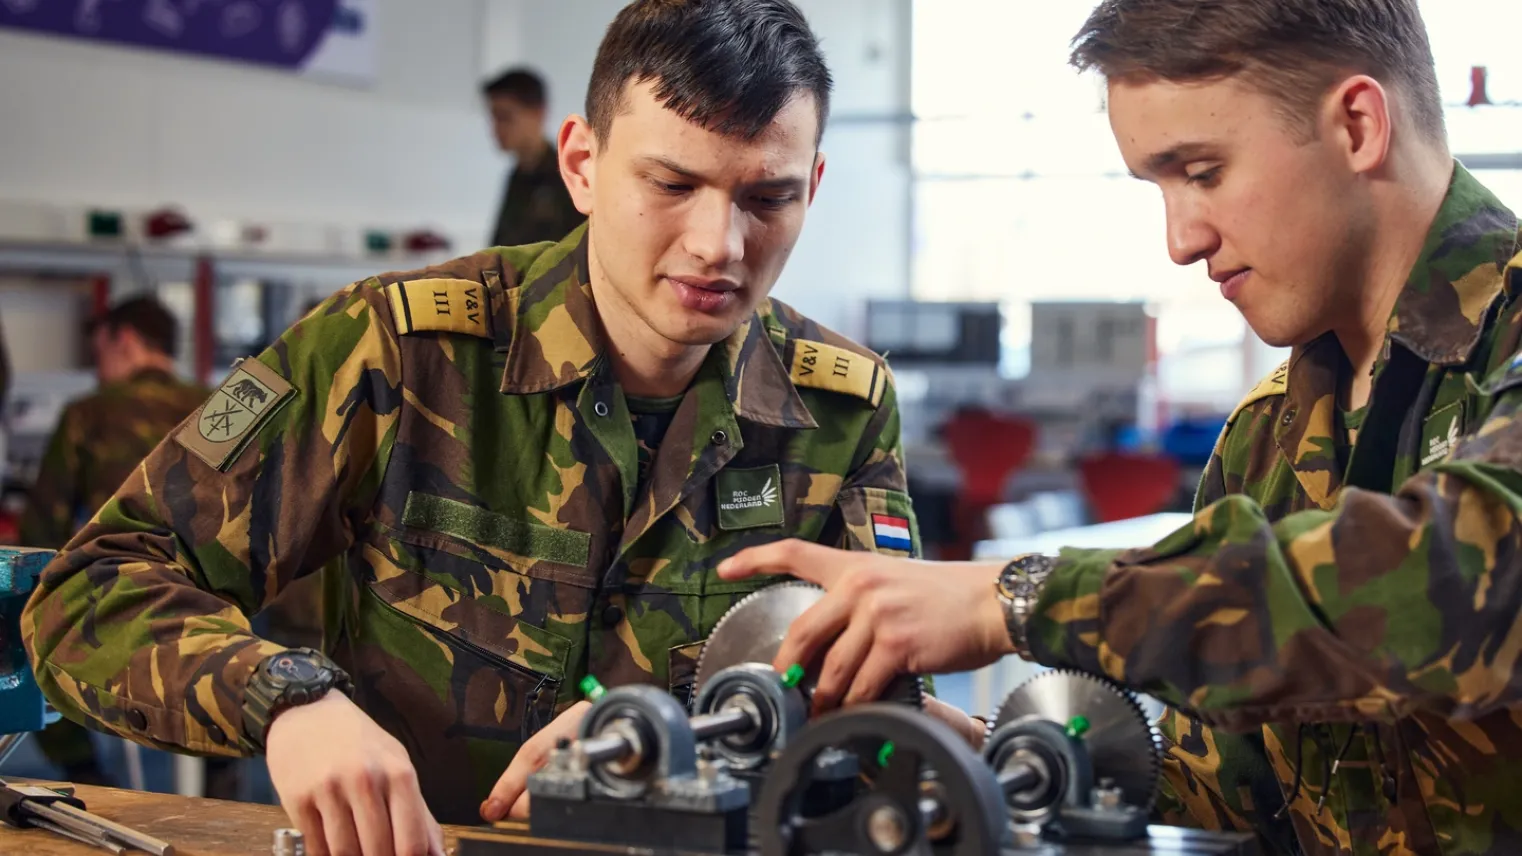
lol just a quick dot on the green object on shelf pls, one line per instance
(793, 676)
(592, 688)
(105, 224)
(884, 754)
(1078, 726)
(377, 242)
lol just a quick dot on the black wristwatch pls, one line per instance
(1018, 587)
(288, 679)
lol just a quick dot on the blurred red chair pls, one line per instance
(987, 449)
(1119, 485)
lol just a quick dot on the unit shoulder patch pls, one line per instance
(820, 366)
(440, 306)
(220, 430)
(1276, 383)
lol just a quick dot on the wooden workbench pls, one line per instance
(196, 827)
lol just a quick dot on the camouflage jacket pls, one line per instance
(100, 438)
(452, 444)
(1338, 628)
(536, 206)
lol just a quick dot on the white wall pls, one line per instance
(96, 124)
(855, 243)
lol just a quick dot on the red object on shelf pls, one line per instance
(166, 223)
(425, 241)
(1477, 80)
(987, 449)
(1119, 485)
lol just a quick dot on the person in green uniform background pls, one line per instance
(524, 465)
(535, 204)
(98, 441)
(1337, 630)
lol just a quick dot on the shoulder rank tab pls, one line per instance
(440, 306)
(219, 431)
(1276, 383)
(820, 366)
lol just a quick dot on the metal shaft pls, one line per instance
(71, 817)
(605, 748)
(721, 724)
(9, 743)
(1019, 777)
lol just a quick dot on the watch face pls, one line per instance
(294, 669)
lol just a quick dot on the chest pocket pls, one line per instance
(466, 598)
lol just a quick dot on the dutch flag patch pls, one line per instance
(891, 533)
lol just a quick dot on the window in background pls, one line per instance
(1021, 195)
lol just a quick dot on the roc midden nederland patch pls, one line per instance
(251, 393)
(749, 499)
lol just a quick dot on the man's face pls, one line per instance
(106, 347)
(690, 229)
(1280, 221)
(516, 125)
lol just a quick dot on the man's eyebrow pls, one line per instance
(1174, 155)
(786, 182)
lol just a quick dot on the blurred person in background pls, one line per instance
(99, 439)
(536, 205)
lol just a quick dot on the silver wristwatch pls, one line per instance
(1018, 587)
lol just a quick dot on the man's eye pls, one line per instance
(1206, 178)
(670, 188)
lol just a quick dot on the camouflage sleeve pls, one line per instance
(141, 623)
(874, 499)
(52, 504)
(1240, 620)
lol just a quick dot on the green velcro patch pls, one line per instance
(221, 429)
(749, 499)
(489, 529)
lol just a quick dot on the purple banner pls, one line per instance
(282, 33)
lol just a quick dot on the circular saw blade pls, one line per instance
(1122, 744)
(752, 632)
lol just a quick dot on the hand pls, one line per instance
(972, 730)
(881, 617)
(510, 795)
(347, 784)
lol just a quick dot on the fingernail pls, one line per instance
(493, 810)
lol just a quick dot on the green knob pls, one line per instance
(592, 688)
(885, 754)
(1078, 726)
(793, 676)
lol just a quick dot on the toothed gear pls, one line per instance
(1123, 745)
(752, 632)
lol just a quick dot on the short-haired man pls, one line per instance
(536, 206)
(1338, 629)
(525, 464)
(98, 441)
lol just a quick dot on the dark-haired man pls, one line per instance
(526, 464)
(1338, 628)
(98, 441)
(535, 204)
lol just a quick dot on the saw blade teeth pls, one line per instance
(1024, 699)
(740, 606)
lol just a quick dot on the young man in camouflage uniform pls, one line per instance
(529, 461)
(1338, 628)
(98, 441)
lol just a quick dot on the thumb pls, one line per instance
(802, 559)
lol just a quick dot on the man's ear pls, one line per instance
(1357, 115)
(577, 150)
(817, 176)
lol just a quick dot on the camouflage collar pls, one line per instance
(557, 341)
(1440, 313)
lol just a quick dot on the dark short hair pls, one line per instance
(519, 84)
(146, 317)
(727, 65)
(1292, 50)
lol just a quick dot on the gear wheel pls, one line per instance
(1123, 745)
(752, 631)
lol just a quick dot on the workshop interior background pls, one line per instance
(973, 186)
